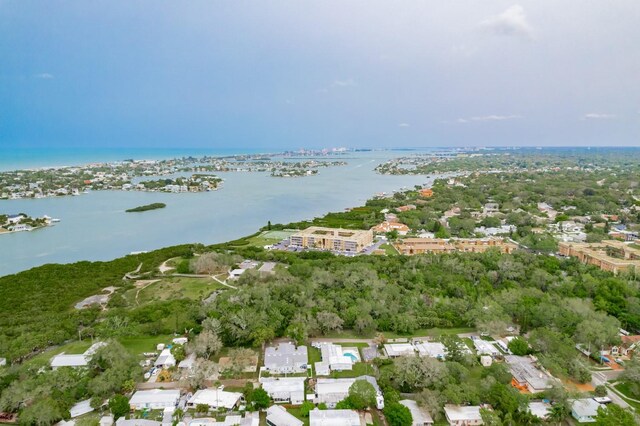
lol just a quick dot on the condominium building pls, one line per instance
(343, 240)
(608, 255)
(411, 246)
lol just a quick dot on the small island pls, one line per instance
(152, 206)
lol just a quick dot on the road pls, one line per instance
(601, 378)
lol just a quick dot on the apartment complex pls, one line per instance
(342, 240)
(609, 255)
(411, 246)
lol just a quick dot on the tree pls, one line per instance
(203, 370)
(207, 344)
(178, 352)
(490, 417)
(305, 408)
(260, 399)
(119, 406)
(614, 415)
(202, 408)
(329, 321)
(362, 395)
(397, 414)
(601, 390)
(559, 412)
(414, 373)
(519, 346)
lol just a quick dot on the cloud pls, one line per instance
(598, 116)
(44, 76)
(488, 118)
(511, 22)
(404, 125)
(344, 83)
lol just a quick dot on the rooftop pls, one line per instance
(334, 418)
(419, 414)
(462, 412)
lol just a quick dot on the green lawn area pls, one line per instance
(295, 411)
(269, 237)
(432, 332)
(389, 249)
(71, 348)
(139, 344)
(348, 334)
(359, 369)
(177, 288)
(625, 390)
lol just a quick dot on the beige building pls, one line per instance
(411, 246)
(344, 240)
(608, 255)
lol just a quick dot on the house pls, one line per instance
(249, 419)
(484, 347)
(81, 408)
(406, 208)
(165, 359)
(14, 218)
(627, 347)
(332, 391)
(284, 389)
(386, 226)
(463, 415)
(585, 410)
(426, 192)
(526, 375)
(370, 353)
(420, 416)
(394, 350)
(188, 363)
(156, 399)
(236, 273)
(335, 358)
(279, 416)
(490, 208)
(106, 421)
(136, 422)
(486, 360)
(431, 349)
(180, 340)
(75, 360)
(334, 418)
(540, 409)
(286, 358)
(215, 399)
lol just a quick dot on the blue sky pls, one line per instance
(278, 74)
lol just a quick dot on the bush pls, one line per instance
(398, 415)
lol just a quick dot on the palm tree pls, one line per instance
(558, 413)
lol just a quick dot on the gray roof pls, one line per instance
(285, 355)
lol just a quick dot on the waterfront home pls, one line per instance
(155, 399)
(286, 358)
(463, 415)
(279, 416)
(334, 418)
(420, 416)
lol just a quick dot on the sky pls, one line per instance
(291, 74)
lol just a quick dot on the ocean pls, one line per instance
(95, 226)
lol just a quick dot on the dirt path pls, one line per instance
(141, 286)
(224, 283)
(164, 268)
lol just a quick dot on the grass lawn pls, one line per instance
(359, 369)
(71, 348)
(348, 334)
(295, 411)
(139, 344)
(625, 390)
(431, 332)
(389, 249)
(177, 288)
(269, 238)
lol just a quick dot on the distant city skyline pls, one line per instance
(241, 75)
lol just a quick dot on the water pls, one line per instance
(95, 226)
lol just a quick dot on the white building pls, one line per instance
(156, 399)
(285, 389)
(585, 410)
(459, 415)
(332, 391)
(540, 409)
(165, 359)
(136, 422)
(279, 416)
(527, 375)
(335, 358)
(485, 348)
(431, 349)
(215, 398)
(419, 415)
(82, 407)
(286, 358)
(334, 418)
(77, 360)
(394, 350)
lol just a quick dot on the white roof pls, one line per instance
(539, 409)
(166, 358)
(484, 347)
(106, 421)
(82, 407)
(419, 414)
(334, 418)
(283, 384)
(155, 396)
(399, 349)
(136, 422)
(586, 407)
(285, 355)
(462, 413)
(64, 360)
(188, 362)
(278, 416)
(215, 398)
(334, 386)
(431, 349)
(333, 355)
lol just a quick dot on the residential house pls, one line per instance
(463, 415)
(284, 389)
(394, 350)
(386, 226)
(334, 418)
(490, 209)
(332, 391)
(420, 416)
(75, 360)
(526, 375)
(484, 347)
(540, 409)
(431, 349)
(165, 359)
(426, 192)
(81, 408)
(215, 399)
(279, 416)
(286, 358)
(406, 208)
(335, 358)
(585, 410)
(155, 399)
(627, 347)
(136, 422)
